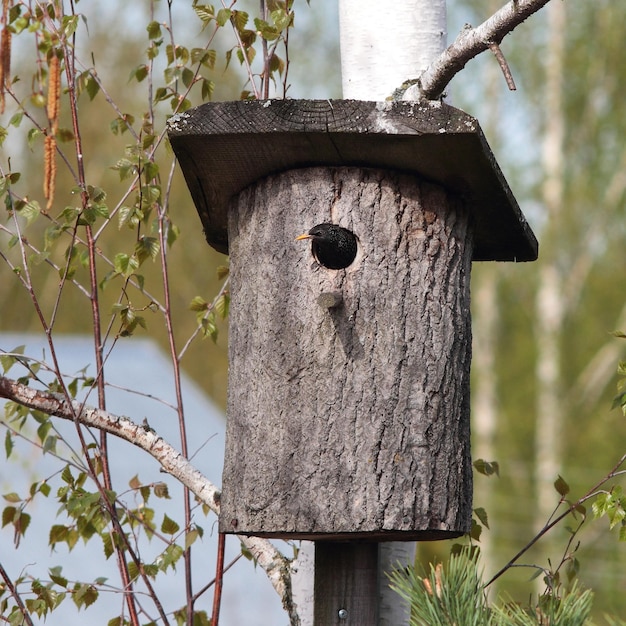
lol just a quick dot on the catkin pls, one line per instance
(50, 169)
(49, 157)
(54, 92)
(5, 54)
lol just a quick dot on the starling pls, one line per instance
(333, 247)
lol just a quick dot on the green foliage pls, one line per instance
(453, 594)
(573, 609)
(100, 239)
(612, 504)
(620, 398)
(444, 596)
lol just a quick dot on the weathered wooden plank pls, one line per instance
(225, 146)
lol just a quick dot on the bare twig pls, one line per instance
(16, 596)
(219, 578)
(471, 42)
(212, 582)
(504, 66)
(594, 491)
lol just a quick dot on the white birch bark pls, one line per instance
(302, 577)
(384, 44)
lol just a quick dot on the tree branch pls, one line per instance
(275, 564)
(470, 42)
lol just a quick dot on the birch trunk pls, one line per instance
(383, 45)
(549, 305)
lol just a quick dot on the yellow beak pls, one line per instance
(305, 236)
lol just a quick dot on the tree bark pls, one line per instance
(373, 63)
(351, 421)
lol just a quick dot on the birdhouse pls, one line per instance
(351, 228)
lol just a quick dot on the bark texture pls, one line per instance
(349, 421)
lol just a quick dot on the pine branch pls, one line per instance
(275, 564)
(470, 42)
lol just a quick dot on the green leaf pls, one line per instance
(84, 595)
(269, 33)
(58, 534)
(125, 168)
(139, 73)
(199, 304)
(481, 514)
(190, 538)
(561, 486)
(169, 557)
(12, 497)
(66, 475)
(121, 124)
(169, 526)
(203, 57)
(205, 12)
(154, 30)
(487, 468)
(222, 271)
(30, 211)
(70, 24)
(55, 576)
(240, 19)
(282, 19)
(476, 530)
(8, 443)
(209, 327)
(9, 514)
(150, 169)
(207, 88)
(161, 491)
(222, 305)
(223, 15)
(92, 86)
(572, 568)
(125, 264)
(16, 120)
(147, 248)
(187, 76)
(50, 444)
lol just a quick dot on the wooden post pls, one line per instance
(346, 583)
(348, 402)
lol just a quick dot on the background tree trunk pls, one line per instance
(550, 305)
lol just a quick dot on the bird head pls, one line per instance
(333, 246)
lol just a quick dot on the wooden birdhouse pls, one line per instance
(348, 399)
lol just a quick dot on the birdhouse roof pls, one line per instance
(223, 147)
